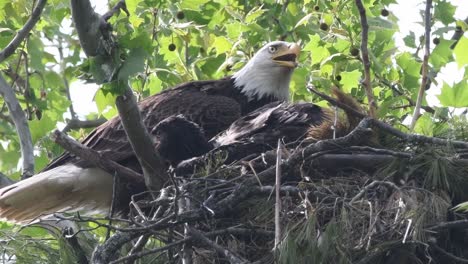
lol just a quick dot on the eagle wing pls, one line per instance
(202, 102)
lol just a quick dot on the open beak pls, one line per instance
(287, 56)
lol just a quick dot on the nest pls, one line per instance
(342, 200)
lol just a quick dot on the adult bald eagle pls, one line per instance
(71, 184)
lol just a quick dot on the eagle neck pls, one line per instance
(258, 83)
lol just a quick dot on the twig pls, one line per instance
(232, 258)
(64, 79)
(24, 32)
(417, 138)
(103, 254)
(77, 124)
(278, 197)
(138, 247)
(422, 87)
(119, 6)
(335, 102)
(68, 234)
(95, 157)
(22, 128)
(391, 130)
(365, 59)
(5, 181)
(230, 230)
(458, 34)
(448, 254)
(373, 184)
(459, 224)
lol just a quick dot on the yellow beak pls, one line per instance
(287, 55)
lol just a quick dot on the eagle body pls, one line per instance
(256, 132)
(212, 105)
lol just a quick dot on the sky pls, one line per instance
(407, 12)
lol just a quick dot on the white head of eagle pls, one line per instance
(269, 72)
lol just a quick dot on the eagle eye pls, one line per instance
(272, 49)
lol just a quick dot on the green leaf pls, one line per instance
(254, 14)
(444, 12)
(192, 4)
(461, 54)
(317, 50)
(40, 128)
(303, 21)
(425, 125)
(350, 80)
(441, 54)
(410, 40)
(222, 45)
(105, 103)
(456, 96)
(134, 63)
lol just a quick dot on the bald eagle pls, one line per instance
(71, 184)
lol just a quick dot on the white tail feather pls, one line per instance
(65, 188)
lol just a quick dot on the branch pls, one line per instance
(335, 102)
(95, 157)
(458, 224)
(119, 6)
(105, 253)
(17, 114)
(154, 169)
(24, 32)
(90, 27)
(422, 88)
(5, 181)
(365, 59)
(77, 124)
(458, 34)
(391, 130)
(388, 184)
(95, 38)
(278, 197)
(202, 239)
(230, 230)
(448, 254)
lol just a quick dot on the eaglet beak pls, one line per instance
(287, 55)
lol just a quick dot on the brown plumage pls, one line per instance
(260, 130)
(71, 184)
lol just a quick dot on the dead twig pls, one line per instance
(94, 157)
(278, 197)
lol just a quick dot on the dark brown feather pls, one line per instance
(259, 131)
(213, 105)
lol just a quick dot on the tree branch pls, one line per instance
(95, 157)
(23, 33)
(232, 258)
(422, 88)
(94, 34)
(77, 124)
(5, 181)
(89, 26)
(365, 59)
(17, 114)
(154, 170)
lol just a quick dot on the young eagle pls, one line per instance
(70, 184)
